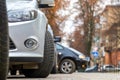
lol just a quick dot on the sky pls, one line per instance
(69, 24)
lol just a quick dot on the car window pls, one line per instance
(58, 46)
(109, 66)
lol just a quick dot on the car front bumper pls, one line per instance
(26, 59)
(81, 64)
(19, 32)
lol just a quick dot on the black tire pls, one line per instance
(46, 66)
(4, 50)
(55, 68)
(67, 66)
(13, 72)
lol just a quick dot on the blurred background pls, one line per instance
(86, 24)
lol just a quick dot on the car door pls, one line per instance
(60, 50)
(63, 52)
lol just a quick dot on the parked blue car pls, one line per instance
(69, 60)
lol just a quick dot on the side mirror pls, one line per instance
(46, 3)
(57, 39)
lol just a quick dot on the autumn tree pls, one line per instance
(3, 41)
(88, 16)
(78, 39)
(88, 11)
(56, 18)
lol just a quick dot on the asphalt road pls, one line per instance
(74, 76)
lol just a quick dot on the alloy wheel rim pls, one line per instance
(66, 67)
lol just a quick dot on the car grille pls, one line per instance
(11, 45)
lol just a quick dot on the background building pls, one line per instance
(111, 34)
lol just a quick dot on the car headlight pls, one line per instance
(81, 56)
(21, 15)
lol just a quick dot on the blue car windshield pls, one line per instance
(58, 46)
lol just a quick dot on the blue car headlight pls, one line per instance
(81, 56)
(21, 15)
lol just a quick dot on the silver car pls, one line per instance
(31, 44)
(108, 68)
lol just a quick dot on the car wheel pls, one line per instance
(13, 72)
(67, 66)
(55, 68)
(4, 50)
(46, 66)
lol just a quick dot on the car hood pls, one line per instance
(20, 5)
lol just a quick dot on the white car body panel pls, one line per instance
(20, 31)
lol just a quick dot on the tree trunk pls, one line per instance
(3, 40)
